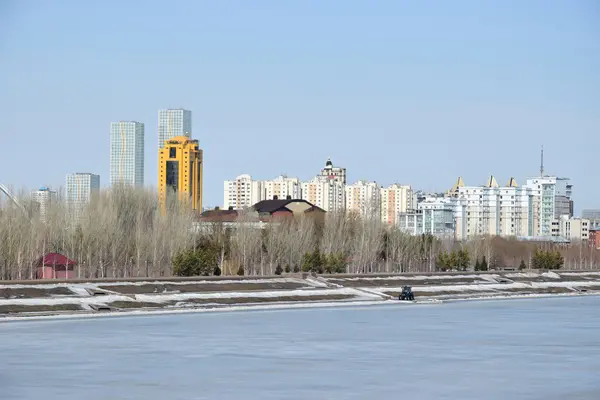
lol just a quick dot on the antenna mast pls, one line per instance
(542, 163)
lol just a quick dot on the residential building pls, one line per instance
(180, 165)
(492, 209)
(43, 199)
(572, 229)
(434, 216)
(594, 238)
(395, 199)
(334, 173)
(551, 200)
(364, 198)
(282, 187)
(594, 216)
(242, 192)
(173, 123)
(81, 188)
(127, 153)
(325, 192)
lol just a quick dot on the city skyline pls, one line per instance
(468, 89)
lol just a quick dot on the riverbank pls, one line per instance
(37, 299)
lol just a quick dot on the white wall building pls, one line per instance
(242, 192)
(81, 187)
(326, 193)
(364, 198)
(282, 187)
(395, 199)
(573, 229)
(434, 216)
(127, 153)
(551, 200)
(492, 209)
(334, 173)
(173, 122)
(44, 198)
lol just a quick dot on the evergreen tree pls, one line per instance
(484, 265)
(522, 266)
(477, 265)
(240, 270)
(278, 270)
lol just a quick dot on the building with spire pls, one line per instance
(331, 172)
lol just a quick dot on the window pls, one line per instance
(172, 152)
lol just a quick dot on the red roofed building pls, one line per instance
(55, 266)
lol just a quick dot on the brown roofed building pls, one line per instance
(268, 209)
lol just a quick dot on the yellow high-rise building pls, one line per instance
(180, 171)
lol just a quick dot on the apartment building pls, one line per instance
(492, 209)
(364, 198)
(242, 192)
(573, 229)
(333, 173)
(433, 216)
(395, 199)
(281, 187)
(551, 200)
(325, 192)
(594, 216)
(43, 199)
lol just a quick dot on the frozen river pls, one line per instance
(507, 350)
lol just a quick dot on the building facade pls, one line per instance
(43, 199)
(572, 229)
(127, 153)
(395, 199)
(433, 216)
(242, 192)
(282, 187)
(325, 192)
(81, 189)
(364, 199)
(551, 200)
(180, 169)
(334, 173)
(173, 123)
(492, 210)
(594, 216)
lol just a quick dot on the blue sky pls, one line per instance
(413, 92)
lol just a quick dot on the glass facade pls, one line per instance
(127, 153)
(172, 123)
(80, 189)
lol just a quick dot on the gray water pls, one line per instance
(513, 349)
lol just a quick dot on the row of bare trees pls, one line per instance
(122, 233)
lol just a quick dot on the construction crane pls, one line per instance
(8, 194)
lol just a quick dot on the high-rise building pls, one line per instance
(43, 199)
(282, 187)
(127, 153)
(180, 164)
(81, 188)
(551, 200)
(334, 173)
(243, 192)
(593, 215)
(492, 209)
(364, 198)
(326, 193)
(395, 199)
(173, 123)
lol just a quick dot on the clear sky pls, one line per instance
(415, 92)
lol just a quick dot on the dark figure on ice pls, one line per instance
(406, 294)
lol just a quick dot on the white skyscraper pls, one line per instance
(326, 193)
(44, 198)
(81, 187)
(364, 198)
(242, 192)
(173, 122)
(127, 153)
